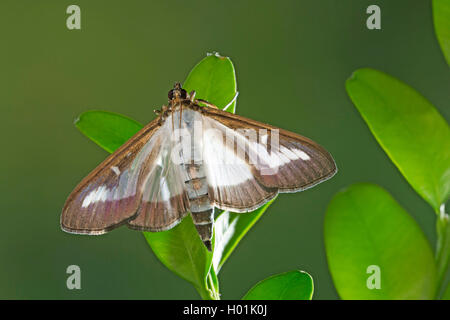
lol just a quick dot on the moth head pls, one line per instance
(177, 93)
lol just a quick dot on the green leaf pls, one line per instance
(292, 285)
(181, 251)
(229, 229)
(180, 248)
(446, 295)
(109, 130)
(441, 17)
(366, 228)
(214, 80)
(442, 248)
(409, 129)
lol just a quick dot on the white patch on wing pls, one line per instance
(217, 150)
(301, 154)
(163, 180)
(164, 191)
(269, 163)
(100, 193)
(223, 167)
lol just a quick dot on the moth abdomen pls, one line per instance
(203, 222)
(202, 211)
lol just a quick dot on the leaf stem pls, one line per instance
(442, 248)
(210, 291)
(214, 291)
(205, 293)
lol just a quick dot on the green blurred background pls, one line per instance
(291, 59)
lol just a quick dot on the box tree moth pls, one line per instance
(193, 158)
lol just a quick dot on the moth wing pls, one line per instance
(164, 199)
(110, 194)
(245, 169)
(231, 182)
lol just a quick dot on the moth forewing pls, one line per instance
(295, 162)
(109, 195)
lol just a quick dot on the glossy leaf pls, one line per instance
(409, 129)
(441, 17)
(180, 248)
(292, 285)
(109, 130)
(229, 229)
(365, 228)
(214, 80)
(443, 249)
(181, 251)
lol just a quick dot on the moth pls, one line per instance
(193, 158)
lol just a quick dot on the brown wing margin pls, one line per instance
(110, 195)
(294, 175)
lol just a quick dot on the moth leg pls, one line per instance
(207, 103)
